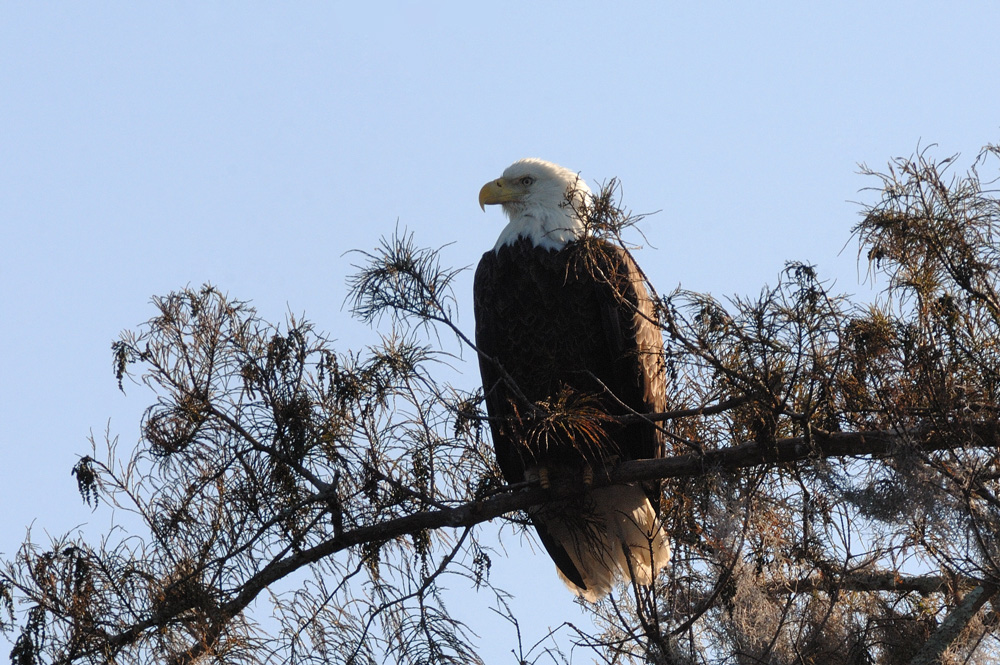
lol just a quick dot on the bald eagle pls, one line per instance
(567, 343)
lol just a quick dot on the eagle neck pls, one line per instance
(545, 227)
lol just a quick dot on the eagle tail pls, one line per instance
(620, 537)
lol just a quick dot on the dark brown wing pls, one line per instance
(636, 343)
(640, 377)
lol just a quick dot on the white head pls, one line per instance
(542, 200)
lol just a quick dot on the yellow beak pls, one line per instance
(498, 191)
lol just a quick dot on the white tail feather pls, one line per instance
(621, 519)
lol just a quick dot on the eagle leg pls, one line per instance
(539, 474)
(543, 477)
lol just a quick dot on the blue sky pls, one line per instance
(149, 146)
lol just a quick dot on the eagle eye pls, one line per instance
(527, 180)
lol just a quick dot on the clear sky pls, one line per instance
(148, 146)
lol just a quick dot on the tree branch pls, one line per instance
(888, 580)
(817, 445)
(954, 624)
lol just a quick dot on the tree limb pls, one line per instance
(954, 624)
(889, 580)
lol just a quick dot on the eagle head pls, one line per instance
(543, 202)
